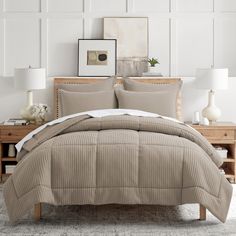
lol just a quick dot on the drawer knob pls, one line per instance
(9, 134)
(225, 134)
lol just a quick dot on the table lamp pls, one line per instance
(212, 79)
(29, 79)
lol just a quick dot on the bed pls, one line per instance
(116, 156)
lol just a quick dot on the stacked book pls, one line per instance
(9, 169)
(16, 122)
(152, 74)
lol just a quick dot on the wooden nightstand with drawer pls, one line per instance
(222, 134)
(10, 135)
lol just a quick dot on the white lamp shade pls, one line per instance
(212, 79)
(30, 78)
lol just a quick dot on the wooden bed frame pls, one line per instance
(38, 212)
(87, 80)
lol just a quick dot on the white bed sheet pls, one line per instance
(94, 113)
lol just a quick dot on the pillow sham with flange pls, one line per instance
(103, 85)
(160, 102)
(135, 85)
(75, 102)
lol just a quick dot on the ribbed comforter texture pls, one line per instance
(117, 159)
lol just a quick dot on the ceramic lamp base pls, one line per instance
(26, 112)
(211, 112)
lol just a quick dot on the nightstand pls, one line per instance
(10, 135)
(222, 134)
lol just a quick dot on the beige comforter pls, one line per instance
(117, 159)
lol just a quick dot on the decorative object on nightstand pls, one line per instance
(16, 121)
(196, 118)
(11, 150)
(205, 121)
(222, 135)
(39, 112)
(153, 69)
(29, 79)
(9, 136)
(212, 79)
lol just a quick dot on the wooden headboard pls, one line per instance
(85, 80)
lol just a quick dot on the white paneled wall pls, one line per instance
(194, 6)
(45, 32)
(194, 38)
(62, 45)
(151, 6)
(108, 6)
(183, 34)
(62, 6)
(225, 38)
(21, 6)
(225, 5)
(22, 43)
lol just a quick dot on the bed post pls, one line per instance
(37, 211)
(202, 212)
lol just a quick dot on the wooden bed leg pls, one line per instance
(37, 212)
(202, 212)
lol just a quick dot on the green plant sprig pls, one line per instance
(153, 61)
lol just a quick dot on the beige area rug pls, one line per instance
(119, 220)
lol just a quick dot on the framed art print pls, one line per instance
(97, 57)
(132, 43)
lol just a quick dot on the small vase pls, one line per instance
(11, 150)
(154, 69)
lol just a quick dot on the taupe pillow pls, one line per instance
(135, 85)
(161, 102)
(74, 102)
(103, 85)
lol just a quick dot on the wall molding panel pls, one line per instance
(22, 43)
(21, 6)
(225, 6)
(195, 6)
(62, 6)
(194, 45)
(225, 34)
(173, 24)
(62, 45)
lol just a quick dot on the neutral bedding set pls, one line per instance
(124, 159)
(116, 155)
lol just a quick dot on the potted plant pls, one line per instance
(152, 65)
